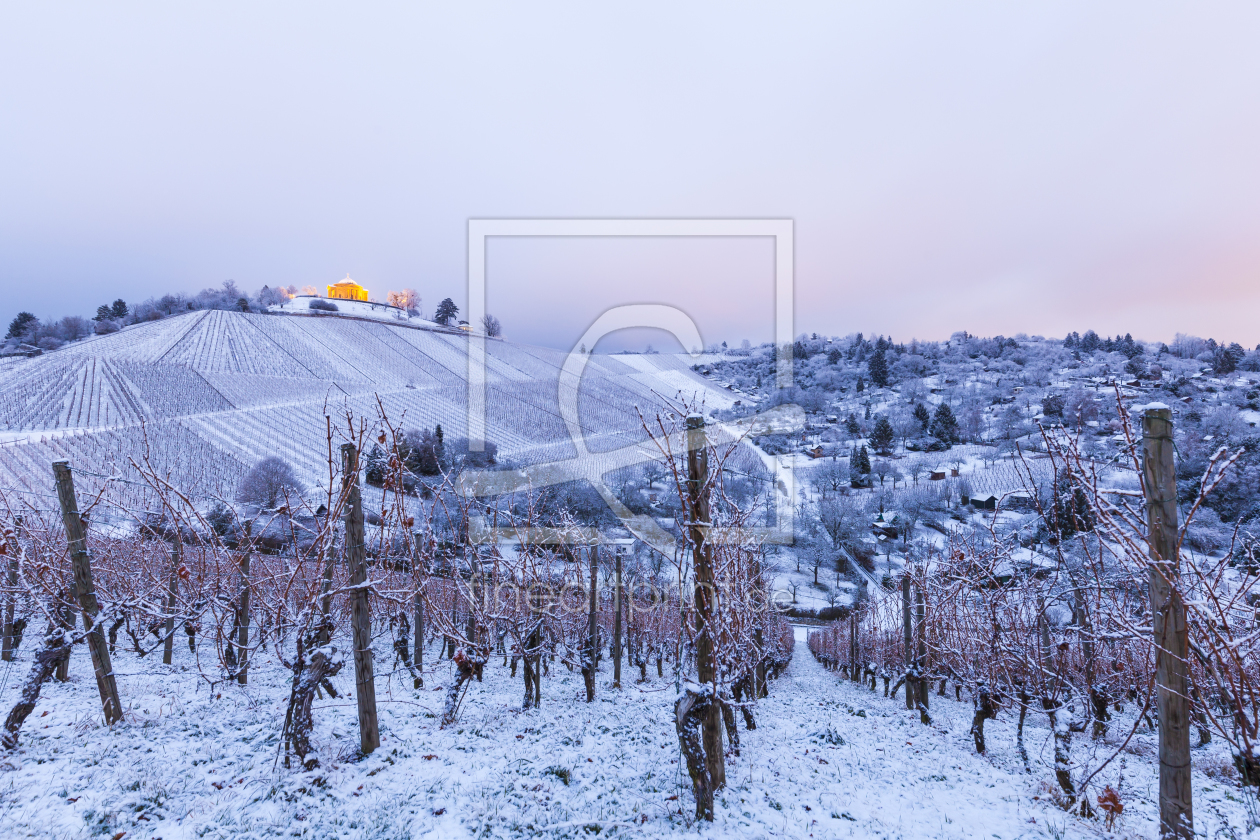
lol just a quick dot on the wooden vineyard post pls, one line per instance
(417, 571)
(86, 591)
(14, 548)
(912, 689)
(592, 629)
(924, 684)
(1171, 636)
(705, 593)
(172, 591)
(855, 667)
(360, 619)
(242, 612)
(617, 626)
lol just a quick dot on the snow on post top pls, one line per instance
(1155, 406)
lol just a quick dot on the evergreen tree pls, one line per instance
(877, 366)
(852, 425)
(882, 435)
(21, 325)
(833, 356)
(945, 425)
(1090, 342)
(921, 414)
(1070, 512)
(445, 312)
(425, 451)
(1226, 359)
(119, 309)
(864, 461)
(861, 386)
(1129, 347)
(859, 468)
(103, 313)
(375, 466)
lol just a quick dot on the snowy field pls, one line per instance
(827, 760)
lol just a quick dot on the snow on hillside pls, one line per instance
(234, 387)
(353, 308)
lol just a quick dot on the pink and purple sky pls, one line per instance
(1033, 167)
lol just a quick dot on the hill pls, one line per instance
(208, 394)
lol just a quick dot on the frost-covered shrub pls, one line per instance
(776, 444)
(323, 306)
(1206, 532)
(221, 518)
(267, 483)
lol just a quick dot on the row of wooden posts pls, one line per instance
(85, 598)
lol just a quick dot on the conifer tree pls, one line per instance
(921, 414)
(445, 312)
(877, 366)
(945, 425)
(852, 426)
(21, 324)
(882, 435)
(859, 468)
(375, 466)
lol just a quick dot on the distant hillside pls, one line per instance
(215, 391)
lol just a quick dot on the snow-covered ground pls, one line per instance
(827, 760)
(356, 308)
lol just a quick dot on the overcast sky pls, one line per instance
(994, 167)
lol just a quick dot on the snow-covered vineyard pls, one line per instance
(207, 394)
(313, 619)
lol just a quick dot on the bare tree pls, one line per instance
(267, 483)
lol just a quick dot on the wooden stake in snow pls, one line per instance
(705, 592)
(907, 628)
(13, 549)
(417, 571)
(592, 630)
(172, 591)
(1168, 612)
(924, 684)
(86, 590)
(617, 626)
(360, 619)
(242, 613)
